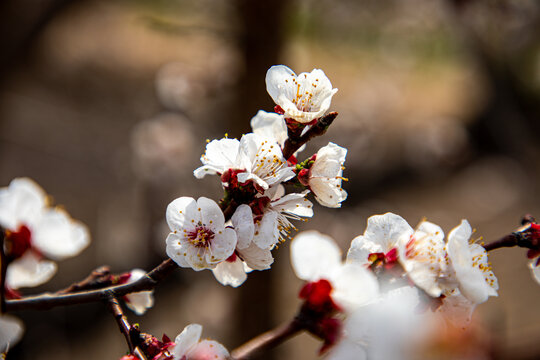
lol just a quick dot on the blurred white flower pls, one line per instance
(198, 237)
(138, 302)
(325, 175)
(389, 328)
(11, 331)
(189, 346)
(303, 98)
(316, 257)
(35, 231)
(469, 261)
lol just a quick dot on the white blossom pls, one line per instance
(382, 235)
(304, 97)
(11, 331)
(275, 226)
(469, 261)
(36, 231)
(258, 157)
(140, 301)
(189, 346)
(325, 176)
(198, 238)
(220, 156)
(315, 256)
(270, 125)
(423, 258)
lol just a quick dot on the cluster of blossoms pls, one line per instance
(375, 304)
(395, 272)
(238, 234)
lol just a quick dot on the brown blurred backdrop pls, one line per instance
(107, 105)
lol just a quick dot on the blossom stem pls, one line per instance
(48, 300)
(267, 340)
(123, 324)
(294, 143)
(526, 236)
(509, 240)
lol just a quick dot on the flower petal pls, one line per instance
(256, 258)
(314, 256)
(57, 236)
(208, 350)
(187, 340)
(220, 156)
(21, 203)
(354, 286)
(211, 214)
(222, 246)
(11, 331)
(266, 230)
(139, 302)
(230, 273)
(242, 221)
(177, 249)
(182, 212)
(29, 271)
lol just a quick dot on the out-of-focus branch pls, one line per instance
(267, 340)
(293, 144)
(47, 301)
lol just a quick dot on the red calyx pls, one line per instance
(388, 260)
(317, 296)
(258, 205)
(156, 349)
(17, 242)
(232, 258)
(279, 110)
(330, 332)
(303, 177)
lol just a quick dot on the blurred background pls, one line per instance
(107, 105)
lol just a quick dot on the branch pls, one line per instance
(123, 325)
(510, 240)
(97, 279)
(292, 144)
(47, 300)
(267, 340)
(526, 236)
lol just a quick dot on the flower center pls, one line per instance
(201, 236)
(17, 242)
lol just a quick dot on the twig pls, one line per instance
(123, 324)
(510, 240)
(267, 340)
(526, 236)
(48, 300)
(293, 144)
(99, 278)
(115, 308)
